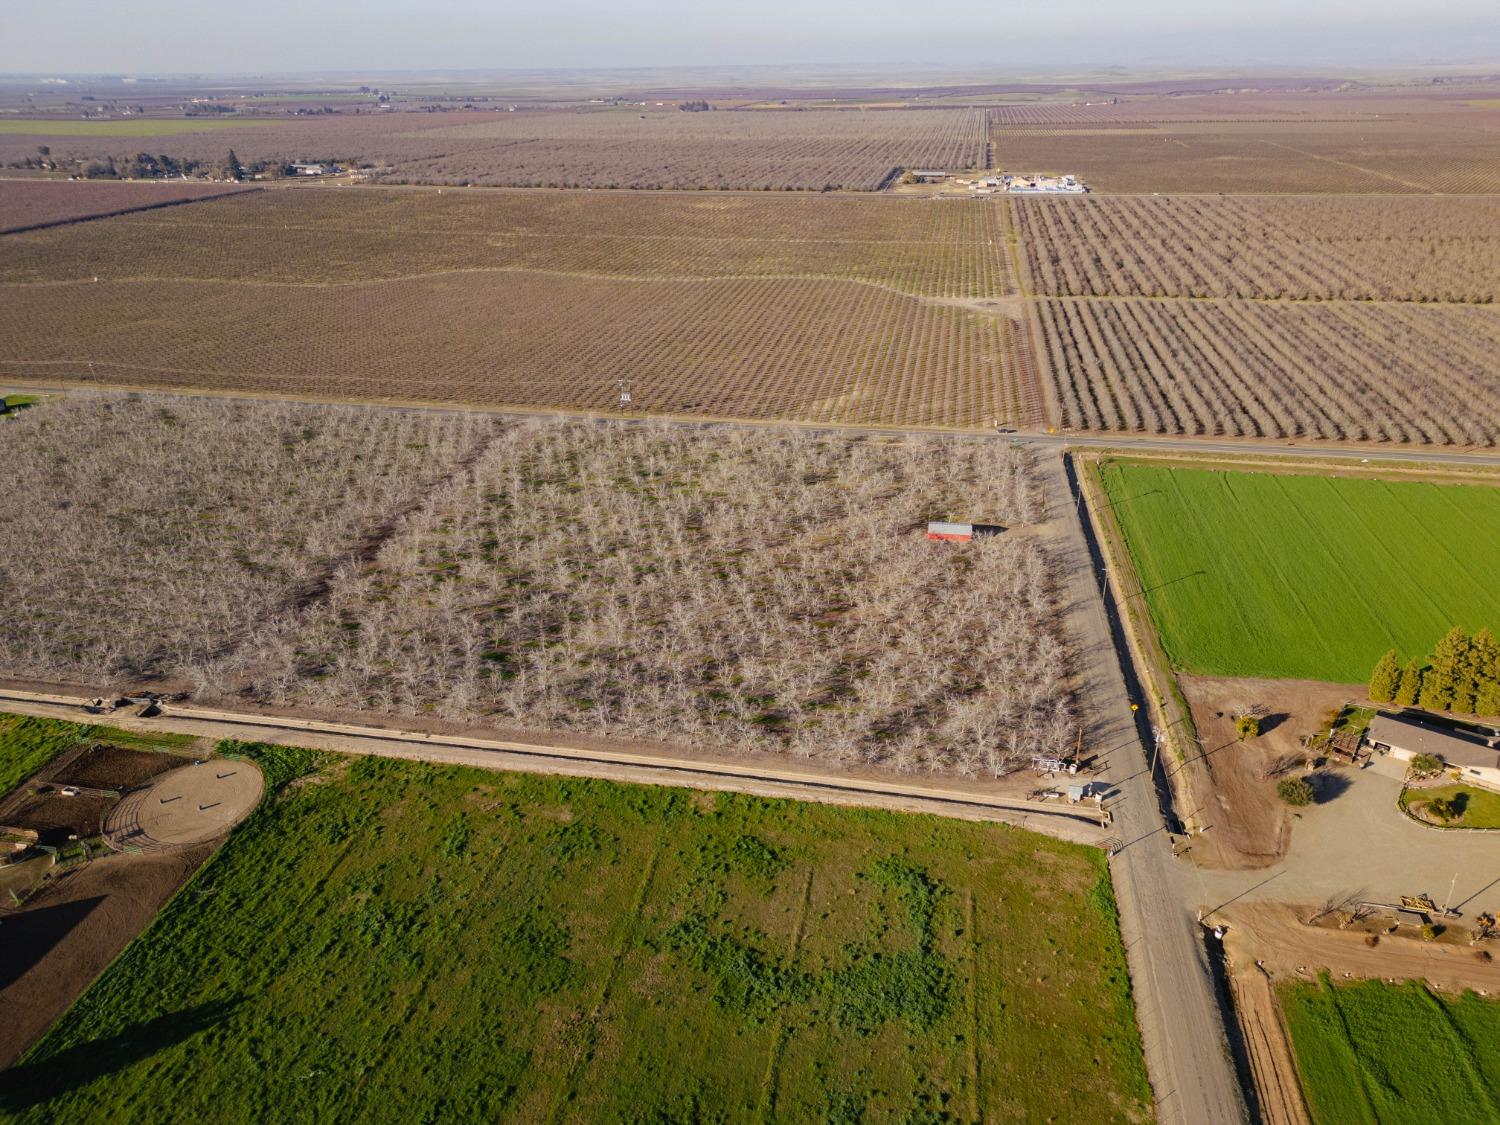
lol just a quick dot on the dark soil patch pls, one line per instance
(55, 817)
(102, 766)
(66, 936)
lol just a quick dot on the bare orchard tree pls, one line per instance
(764, 590)
(145, 536)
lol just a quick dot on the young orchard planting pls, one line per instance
(31, 204)
(144, 536)
(1397, 373)
(830, 351)
(1407, 249)
(300, 237)
(825, 309)
(745, 590)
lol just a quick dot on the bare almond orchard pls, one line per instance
(295, 461)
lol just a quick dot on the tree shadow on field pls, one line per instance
(31, 1083)
(1328, 786)
(30, 935)
(1270, 722)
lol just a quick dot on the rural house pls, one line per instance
(1404, 738)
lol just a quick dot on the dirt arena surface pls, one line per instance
(51, 950)
(1250, 827)
(190, 805)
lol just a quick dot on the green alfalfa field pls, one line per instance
(1305, 577)
(1370, 1053)
(391, 941)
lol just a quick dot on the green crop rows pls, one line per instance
(1305, 577)
(1372, 1052)
(386, 941)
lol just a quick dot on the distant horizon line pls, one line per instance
(1344, 71)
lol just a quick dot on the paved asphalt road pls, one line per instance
(1406, 454)
(1182, 1026)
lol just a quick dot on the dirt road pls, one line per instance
(1277, 1086)
(1182, 1025)
(938, 797)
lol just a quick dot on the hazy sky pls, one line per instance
(156, 36)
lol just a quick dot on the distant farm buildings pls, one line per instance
(1012, 184)
(311, 169)
(1477, 759)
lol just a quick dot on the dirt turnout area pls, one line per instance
(1229, 783)
(1274, 934)
(55, 818)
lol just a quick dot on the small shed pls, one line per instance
(958, 532)
(961, 532)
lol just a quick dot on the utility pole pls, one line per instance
(1449, 900)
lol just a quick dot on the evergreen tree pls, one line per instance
(1386, 678)
(1440, 684)
(233, 169)
(1484, 664)
(1410, 686)
(1487, 701)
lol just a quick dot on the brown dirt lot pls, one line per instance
(55, 817)
(1265, 942)
(1274, 935)
(102, 766)
(54, 947)
(1249, 826)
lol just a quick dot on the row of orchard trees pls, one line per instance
(1463, 676)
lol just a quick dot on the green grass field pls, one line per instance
(386, 941)
(124, 127)
(1481, 807)
(27, 744)
(1378, 1053)
(1305, 577)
